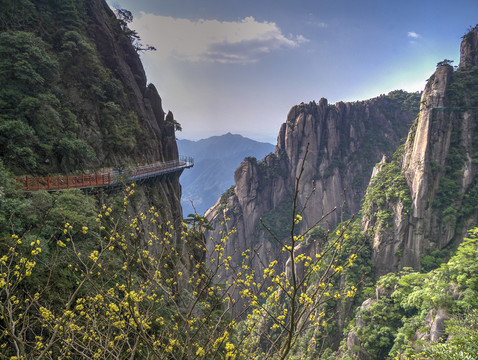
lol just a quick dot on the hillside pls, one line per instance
(74, 93)
(74, 97)
(215, 160)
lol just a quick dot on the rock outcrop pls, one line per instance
(342, 142)
(468, 53)
(435, 325)
(155, 140)
(91, 106)
(439, 167)
(431, 202)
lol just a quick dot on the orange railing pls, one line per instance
(51, 183)
(33, 183)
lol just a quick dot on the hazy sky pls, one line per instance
(239, 66)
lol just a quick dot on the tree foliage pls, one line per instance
(60, 95)
(394, 321)
(77, 281)
(125, 17)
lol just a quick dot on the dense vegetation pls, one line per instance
(56, 91)
(35, 127)
(78, 280)
(83, 280)
(386, 188)
(401, 319)
(276, 219)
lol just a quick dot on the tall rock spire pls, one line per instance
(344, 142)
(439, 166)
(468, 49)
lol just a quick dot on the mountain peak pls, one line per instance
(469, 48)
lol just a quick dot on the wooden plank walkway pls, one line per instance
(112, 178)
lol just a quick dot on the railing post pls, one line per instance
(48, 182)
(83, 179)
(109, 178)
(67, 181)
(27, 183)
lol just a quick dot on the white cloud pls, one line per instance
(320, 24)
(413, 34)
(316, 23)
(240, 42)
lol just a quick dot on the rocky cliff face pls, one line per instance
(439, 167)
(344, 141)
(155, 139)
(78, 98)
(468, 53)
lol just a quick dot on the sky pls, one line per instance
(239, 66)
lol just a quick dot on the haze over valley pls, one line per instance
(215, 160)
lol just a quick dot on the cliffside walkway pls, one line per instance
(109, 179)
(463, 108)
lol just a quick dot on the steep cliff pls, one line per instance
(437, 165)
(74, 97)
(344, 142)
(74, 93)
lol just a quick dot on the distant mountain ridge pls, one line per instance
(215, 159)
